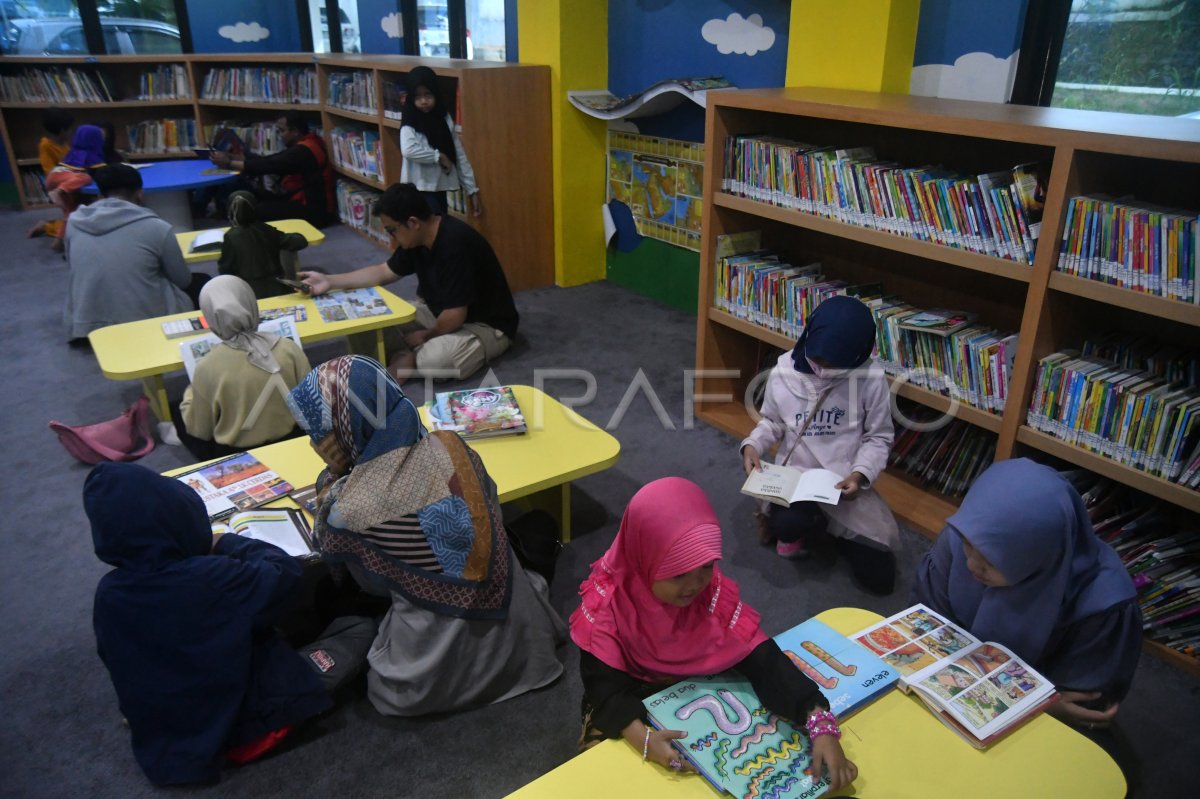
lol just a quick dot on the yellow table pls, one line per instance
(309, 232)
(560, 446)
(141, 349)
(901, 750)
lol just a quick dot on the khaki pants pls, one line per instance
(459, 354)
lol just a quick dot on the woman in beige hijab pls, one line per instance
(236, 399)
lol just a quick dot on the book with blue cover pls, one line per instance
(848, 674)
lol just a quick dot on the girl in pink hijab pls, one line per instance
(657, 609)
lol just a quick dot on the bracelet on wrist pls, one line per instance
(646, 746)
(822, 722)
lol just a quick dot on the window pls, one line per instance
(433, 28)
(27, 27)
(140, 27)
(83, 27)
(1133, 56)
(485, 30)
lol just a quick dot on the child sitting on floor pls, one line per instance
(257, 252)
(827, 406)
(53, 147)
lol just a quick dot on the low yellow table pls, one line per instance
(185, 239)
(901, 750)
(560, 446)
(141, 349)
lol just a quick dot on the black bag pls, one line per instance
(535, 541)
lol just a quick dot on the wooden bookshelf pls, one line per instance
(503, 110)
(1087, 152)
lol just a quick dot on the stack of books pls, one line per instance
(1127, 399)
(358, 151)
(353, 91)
(947, 458)
(1132, 244)
(998, 213)
(261, 85)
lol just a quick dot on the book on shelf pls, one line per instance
(164, 82)
(945, 457)
(939, 321)
(57, 85)
(979, 689)
(177, 328)
(236, 483)
(294, 84)
(194, 349)
(352, 91)
(356, 208)
(478, 413)
(783, 485)
(162, 136)
(662, 96)
(743, 748)
(286, 528)
(339, 306)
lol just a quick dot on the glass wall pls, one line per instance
(37, 27)
(139, 27)
(485, 30)
(433, 28)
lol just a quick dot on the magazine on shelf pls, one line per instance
(662, 96)
(939, 321)
(478, 413)
(979, 689)
(783, 485)
(340, 306)
(194, 349)
(286, 528)
(239, 482)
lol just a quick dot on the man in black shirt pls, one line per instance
(465, 314)
(306, 187)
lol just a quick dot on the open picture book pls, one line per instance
(344, 304)
(236, 483)
(286, 528)
(981, 690)
(784, 485)
(746, 750)
(194, 349)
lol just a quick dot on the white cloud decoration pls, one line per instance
(393, 26)
(736, 34)
(244, 32)
(973, 76)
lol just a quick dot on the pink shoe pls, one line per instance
(794, 550)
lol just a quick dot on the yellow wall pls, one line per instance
(852, 44)
(575, 46)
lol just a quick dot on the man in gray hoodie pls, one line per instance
(125, 262)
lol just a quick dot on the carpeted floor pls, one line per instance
(62, 734)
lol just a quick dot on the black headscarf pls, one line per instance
(841, 331)
(431, 125)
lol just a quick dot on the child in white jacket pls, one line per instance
(830, 376)
(434, 159)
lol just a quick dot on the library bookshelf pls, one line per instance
(1154, 159)
(503, 111)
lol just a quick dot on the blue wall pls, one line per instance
(374, 40)
(951, 28)
(277, 16)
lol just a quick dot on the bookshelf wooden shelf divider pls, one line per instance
(503, 110)
(1157, 160)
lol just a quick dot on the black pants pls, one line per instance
(194, 288)
(873, 568)
(437, 202)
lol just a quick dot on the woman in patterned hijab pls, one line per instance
(414, 515)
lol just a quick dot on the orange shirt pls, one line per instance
(51, 152)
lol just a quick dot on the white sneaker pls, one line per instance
(167, 434)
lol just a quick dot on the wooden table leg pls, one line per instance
(156, 391)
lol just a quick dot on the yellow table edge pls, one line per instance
(314, 236)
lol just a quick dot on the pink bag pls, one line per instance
(125, 438)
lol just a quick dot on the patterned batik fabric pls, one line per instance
(423, 521)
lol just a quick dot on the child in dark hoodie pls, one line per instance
(257, 252)
(184, 625)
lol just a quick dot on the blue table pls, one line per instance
(166, 184)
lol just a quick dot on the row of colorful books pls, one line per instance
(357, 150)
(945, 457)
(164, 82)
(56, 85)
(394, 94)
(354, 91)
(1143, 412)
(356, 208)
(1132, 244)
(260, 138)
(162, 136)
(261, 84)
(1162, 556)
(34, 184)
(997, 213)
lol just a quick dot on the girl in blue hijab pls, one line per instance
(1019, 564)
(827, 406)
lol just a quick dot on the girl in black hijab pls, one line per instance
(434, 159)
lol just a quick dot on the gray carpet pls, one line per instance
(62, 734)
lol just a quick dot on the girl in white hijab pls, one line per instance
(220, 412)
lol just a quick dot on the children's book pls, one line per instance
(850, 675)
(979, 689)
(195, 349)
(178, 328)
(306, 498)
(286, 528)
(939, 321)
(239, 482)
(478, 413)
(733, 741)
(208, 240)
(784, 485)
(339, 306)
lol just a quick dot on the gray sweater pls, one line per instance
(125, 265)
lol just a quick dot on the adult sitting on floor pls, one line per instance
(124, 261)
(305, 178)
(465, 315)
